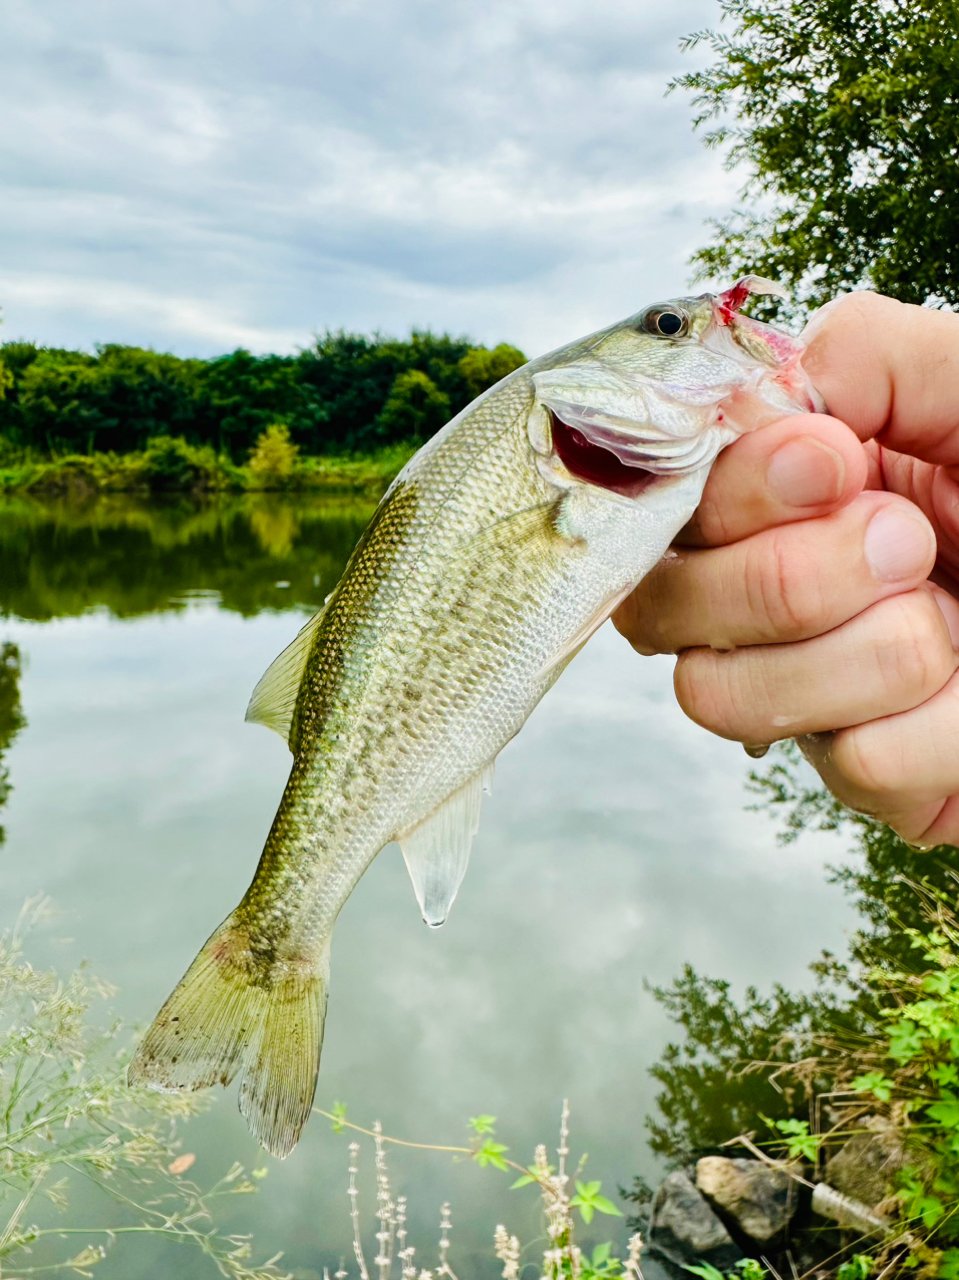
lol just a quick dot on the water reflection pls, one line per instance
(613, 850)
(59, 559)
(12, 719)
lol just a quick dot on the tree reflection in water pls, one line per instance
(12, 719)
(60, 559)
(706, 1096)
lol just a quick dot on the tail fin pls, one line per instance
(228, 1015)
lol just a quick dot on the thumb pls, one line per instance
(891, 371)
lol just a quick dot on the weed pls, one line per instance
(68, 1119)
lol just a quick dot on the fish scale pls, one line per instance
(490, 561)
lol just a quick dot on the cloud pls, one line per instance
(195, 176)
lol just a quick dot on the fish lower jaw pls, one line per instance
(581, 456)
(590, 463)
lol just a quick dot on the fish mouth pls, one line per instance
(593, 464)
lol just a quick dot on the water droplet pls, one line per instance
(755, 750)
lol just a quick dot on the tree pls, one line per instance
(482, 368)
(415, 409)
(846, 113)
(6, 380)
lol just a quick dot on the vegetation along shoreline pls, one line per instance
(340, 416)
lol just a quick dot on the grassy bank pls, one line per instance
(170, 465)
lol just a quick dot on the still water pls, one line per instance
(615, 848)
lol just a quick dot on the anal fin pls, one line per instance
(437, 849)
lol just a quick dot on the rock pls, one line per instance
(759, 1200)
(684, 1228)
(866, 1165)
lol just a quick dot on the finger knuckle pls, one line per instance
(912, 656)
(869, 765)
(784, 595)
(701, 683)
(713, 520)
(867, 306)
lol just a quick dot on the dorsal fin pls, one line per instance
(274, 697)
(437, 849)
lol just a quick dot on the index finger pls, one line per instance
(798, 468)
(891, 371)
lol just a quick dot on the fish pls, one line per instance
(500, 548)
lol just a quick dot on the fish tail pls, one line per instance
(232, 1015)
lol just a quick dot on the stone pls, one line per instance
(865, 1167)
(685, 1229)
(759, 1200)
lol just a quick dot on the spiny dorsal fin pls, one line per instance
(437, 849)
(274, 697)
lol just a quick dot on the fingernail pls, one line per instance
(898, 544)
(806, 473)
(949, 608)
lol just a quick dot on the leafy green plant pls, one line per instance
(589, 1201)
(68, 1119)
(482, 368)
(168, 462)
(866, 1063)
(745, 1269)
(859, 1267)
(800, 1143)
(562, 1258)
(275, 457)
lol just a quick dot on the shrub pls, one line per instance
(275, 459)
(170, 463)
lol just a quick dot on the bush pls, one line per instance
(169, 463)
(275, 459)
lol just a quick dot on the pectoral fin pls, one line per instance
(274, 698)
(437, 849)
(554, 667)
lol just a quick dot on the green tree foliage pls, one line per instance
(415, 408)
(346, 393)
(481, 368)
(275, 457)
(846, 113)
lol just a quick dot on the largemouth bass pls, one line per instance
(496, 553)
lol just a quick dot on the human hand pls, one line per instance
(799, 599)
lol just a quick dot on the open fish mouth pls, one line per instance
(597, 463)
(622, 455)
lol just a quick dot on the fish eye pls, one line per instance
(665, 322)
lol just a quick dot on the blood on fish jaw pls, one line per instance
(730, 301)
(593, 464)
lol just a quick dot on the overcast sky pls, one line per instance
(195, 175)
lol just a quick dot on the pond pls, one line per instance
(615, 848)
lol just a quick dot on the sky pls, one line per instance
(197, 175)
